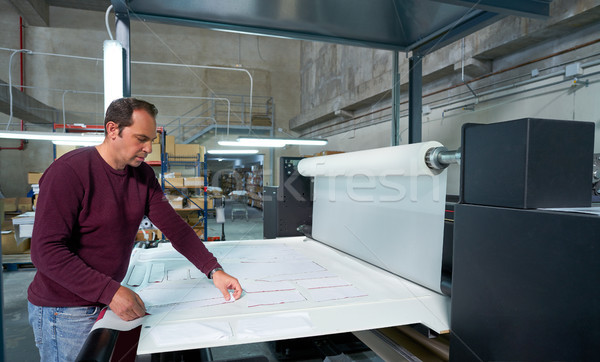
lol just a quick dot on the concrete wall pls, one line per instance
(273, 63)
(14, 164)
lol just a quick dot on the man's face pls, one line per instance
(135, 141)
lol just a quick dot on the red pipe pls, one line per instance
(22, 146)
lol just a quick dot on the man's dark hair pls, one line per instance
(121, 110)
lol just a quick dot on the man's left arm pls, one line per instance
(184, 240)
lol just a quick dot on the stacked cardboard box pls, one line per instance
(170, 145)
(200, 202)
(194, 182)
(155, 154)
(62, 149)
(188, 150)
(33, 178)
(10, 246)
(175, 200)
(18, 204)
(178, 182)
(9, 242)
(254, 186)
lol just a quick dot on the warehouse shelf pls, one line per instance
(200, 170)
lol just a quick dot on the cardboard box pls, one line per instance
(34, 177)
(199, 231)
(155, 155)
(62, 149)
(9, 244)
(170, 145)
(174, 182)
(10, 204)
(24, 204)
(157, 139)
(7, 224)
(189, 150)
(200, 202)
(175, 201)
(194, 182)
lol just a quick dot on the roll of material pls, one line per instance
(146, 223)
(384, 206)
(406, 160)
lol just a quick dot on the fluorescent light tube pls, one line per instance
(232, 152)
(113, 71)
(52, 136)
(253, 143)
(285, 141)
(77, 143)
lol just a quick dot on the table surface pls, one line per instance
(293, 287)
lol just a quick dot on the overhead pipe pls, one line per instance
(21, 71)
(564, 51)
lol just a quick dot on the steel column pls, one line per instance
(415, 85)
(395, 102)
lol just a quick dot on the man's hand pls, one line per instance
(224, 282)
(127, 304)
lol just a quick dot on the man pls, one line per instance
(90, 205)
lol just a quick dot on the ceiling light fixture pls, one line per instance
(232, 152)
(73, 138)
(113, 71)
(272, 142)
(77, 143)
(253, 143)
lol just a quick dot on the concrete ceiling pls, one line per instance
(96, 5)
(401, 25)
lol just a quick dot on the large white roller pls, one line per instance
(384, 206)
(407, 160)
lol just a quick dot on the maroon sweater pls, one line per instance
(86, 219)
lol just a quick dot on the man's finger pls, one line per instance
(140, 308)
(237, 290)
(226, 294)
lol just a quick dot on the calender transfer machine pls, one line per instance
(512, 278)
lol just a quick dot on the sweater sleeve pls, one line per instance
(181, 235)
(53, 246)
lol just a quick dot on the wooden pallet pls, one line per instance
(16, 261)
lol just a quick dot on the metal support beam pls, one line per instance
(123, 36)
(415, 106)
(395, 102)
(531, 9)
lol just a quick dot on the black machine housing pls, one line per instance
(524, 280)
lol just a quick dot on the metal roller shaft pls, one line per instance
(438, 158)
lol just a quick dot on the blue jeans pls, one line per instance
(60, 332)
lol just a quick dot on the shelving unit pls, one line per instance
(254, 186)
(200, 170)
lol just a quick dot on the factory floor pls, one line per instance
(19, 344)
